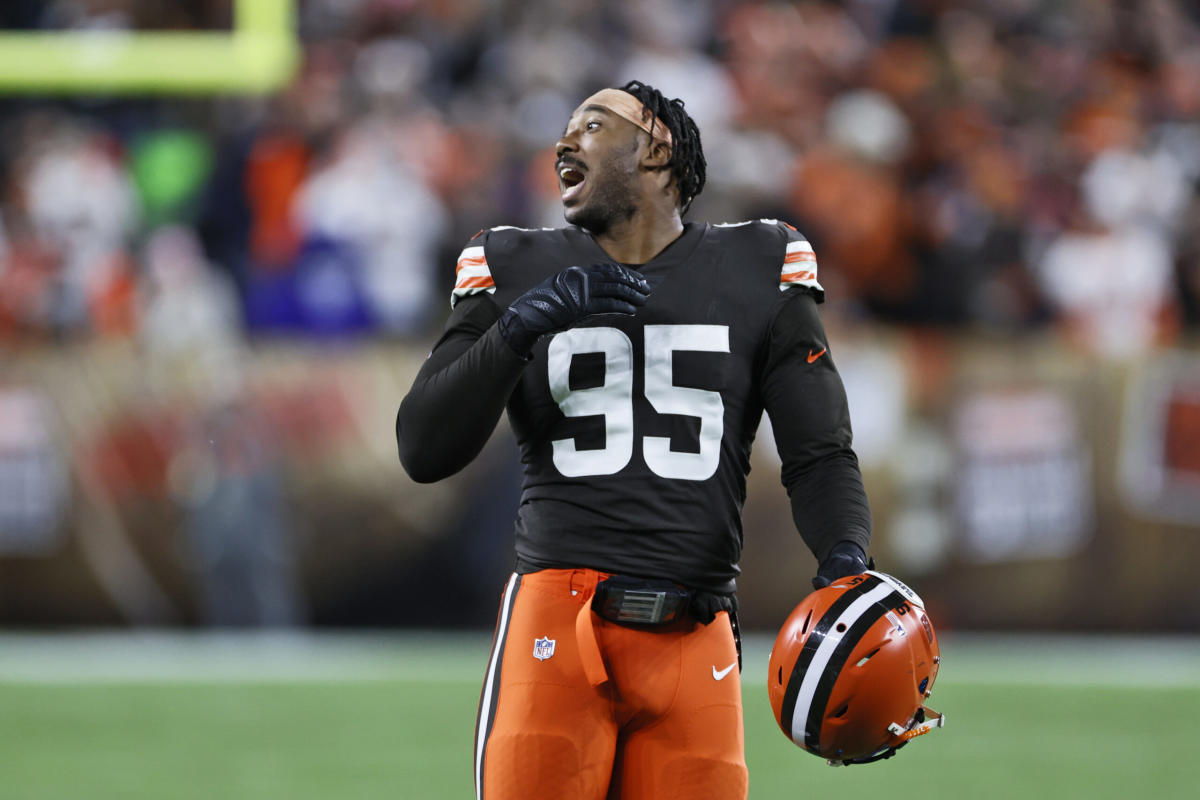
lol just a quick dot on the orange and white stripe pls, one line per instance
(473, 275)
(799, 267)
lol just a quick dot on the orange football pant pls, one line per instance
(575, 706)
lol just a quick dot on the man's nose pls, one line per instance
(565, 144)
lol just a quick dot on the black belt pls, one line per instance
(638, 601)
(648, 602)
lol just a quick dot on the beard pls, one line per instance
(611, 198)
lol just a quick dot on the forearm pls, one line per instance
(829, 503)
(455, 403)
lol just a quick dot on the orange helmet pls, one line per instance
(851, 668)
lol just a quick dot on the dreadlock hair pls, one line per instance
(687, 163)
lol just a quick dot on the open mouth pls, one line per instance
(571, 178)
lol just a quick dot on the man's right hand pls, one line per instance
(565, 298)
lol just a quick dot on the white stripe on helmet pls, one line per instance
(820, 661)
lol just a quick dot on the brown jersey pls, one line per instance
(635, 430)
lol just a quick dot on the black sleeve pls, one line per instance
(458, 394)
(804, 396)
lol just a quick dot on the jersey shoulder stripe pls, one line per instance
(473, 276)
(799, 267)
(799, 263)
(473, 272)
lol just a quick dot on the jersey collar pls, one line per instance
(674, 254)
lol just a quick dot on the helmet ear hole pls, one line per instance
(841, 712)
(867, 658)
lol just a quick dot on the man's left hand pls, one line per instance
(846, 558)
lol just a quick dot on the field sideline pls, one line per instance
(363, 716)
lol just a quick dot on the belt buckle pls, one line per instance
(638, 605)
(642, 606)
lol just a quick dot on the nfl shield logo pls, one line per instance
(543, 648)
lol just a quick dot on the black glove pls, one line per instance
(846, 558)
(568, 297)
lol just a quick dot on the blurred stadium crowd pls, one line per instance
(1002, 164)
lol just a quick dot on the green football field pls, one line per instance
(101, 717)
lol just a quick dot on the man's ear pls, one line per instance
(658, 155)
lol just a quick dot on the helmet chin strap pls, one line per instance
(926, 719)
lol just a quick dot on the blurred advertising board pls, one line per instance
(1160, 457)
(1017, 493)
(1023, 485)
(33, 480)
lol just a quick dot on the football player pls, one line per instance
(635, 354)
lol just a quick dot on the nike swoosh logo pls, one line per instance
(814, 356)
(719, 674)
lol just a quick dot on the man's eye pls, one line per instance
(592, 124)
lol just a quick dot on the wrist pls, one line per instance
(514, 333)
(849, 547)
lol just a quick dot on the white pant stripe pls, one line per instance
(487, 705)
